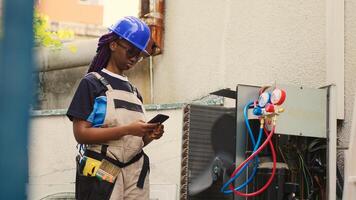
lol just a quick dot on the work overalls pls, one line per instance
(124, 108)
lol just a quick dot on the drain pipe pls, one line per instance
(151, 80)
(332, 142)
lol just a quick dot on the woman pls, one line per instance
(109, 118)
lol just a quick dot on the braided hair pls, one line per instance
(103, 52)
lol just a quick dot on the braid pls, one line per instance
(103, 52)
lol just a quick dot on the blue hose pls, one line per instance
(256, 145)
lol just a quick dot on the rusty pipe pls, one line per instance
(152, 12)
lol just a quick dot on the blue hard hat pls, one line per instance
(133, 30)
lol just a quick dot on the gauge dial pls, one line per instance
(278, 96)
(264, 99)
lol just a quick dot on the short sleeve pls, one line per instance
(83, 100)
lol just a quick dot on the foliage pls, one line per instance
(45, 37)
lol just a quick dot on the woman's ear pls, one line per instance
(113, 46)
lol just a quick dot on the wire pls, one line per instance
(243, 185)
(248, 124)
(306, 171)
(310, 176)
(268, 140)
(255, 144)
(321, 190)
(282, 155)
(244, 164)
(301, 164)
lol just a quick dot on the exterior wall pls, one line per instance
(114, 10)
(56, 88)
(52, 152)
(217, 44)
(89, 13)
(350, 74)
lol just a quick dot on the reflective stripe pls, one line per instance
(127, 105)
(127, 96)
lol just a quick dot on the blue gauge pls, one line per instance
(257, 111)
(264, 99)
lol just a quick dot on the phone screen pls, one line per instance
(160, 118)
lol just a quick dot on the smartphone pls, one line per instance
(160, 118)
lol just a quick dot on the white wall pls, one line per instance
(219, 43)
(114, 10)
(350, 73)
(52, 152)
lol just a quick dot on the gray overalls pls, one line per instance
(133, 182)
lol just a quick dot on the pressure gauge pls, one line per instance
(278, 96)
(264, 99)
(269, 108)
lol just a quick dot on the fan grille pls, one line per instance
(197, 148)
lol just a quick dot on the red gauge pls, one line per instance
(264, 99)
(269, 108)
(278, 96)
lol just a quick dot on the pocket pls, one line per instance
(91, 188)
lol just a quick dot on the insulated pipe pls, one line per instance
(71, 54)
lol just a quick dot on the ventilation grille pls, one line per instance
(205, 129)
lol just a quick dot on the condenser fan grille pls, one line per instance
(202, 128)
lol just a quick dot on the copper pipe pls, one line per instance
(152, 12)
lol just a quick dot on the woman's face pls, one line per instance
(124, 55)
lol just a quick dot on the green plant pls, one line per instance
(45, 37)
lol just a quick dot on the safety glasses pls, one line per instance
(131, 52)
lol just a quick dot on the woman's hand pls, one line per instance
(157, 132)
(141, 128)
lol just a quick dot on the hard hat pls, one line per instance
(133, 30)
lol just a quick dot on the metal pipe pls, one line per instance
(332, 141)
(335, 50)
(151, 80)
(152, 12)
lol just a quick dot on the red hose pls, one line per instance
(268, 140)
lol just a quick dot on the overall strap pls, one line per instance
(102, 80)
(134, 89)
(104, 149)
